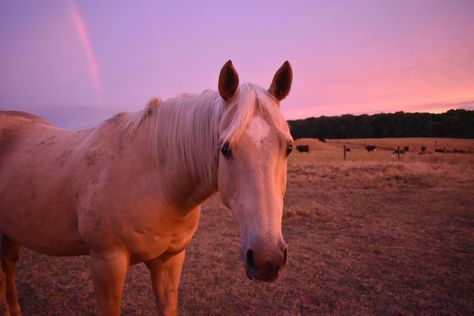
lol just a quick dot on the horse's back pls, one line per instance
(22, 115)
(35, 192)
(14, 125)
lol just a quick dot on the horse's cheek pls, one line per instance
(226, 182)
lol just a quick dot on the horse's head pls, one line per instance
(255, 143)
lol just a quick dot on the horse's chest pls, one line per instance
(146, 248)
(165, 240)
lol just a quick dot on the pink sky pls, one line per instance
(76, 62)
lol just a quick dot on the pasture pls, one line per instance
(370, 235)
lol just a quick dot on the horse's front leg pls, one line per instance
(165, 275)
(10, 253)
(108, 271)
(4, 310)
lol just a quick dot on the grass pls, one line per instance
(369, 235)
(296, 212)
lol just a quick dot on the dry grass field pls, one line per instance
(370, 235)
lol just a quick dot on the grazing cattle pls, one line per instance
(303, 148)
(322, 140)
(406, 148)
(440, 150)
(370, 148)
(422, 150)
(348, 149)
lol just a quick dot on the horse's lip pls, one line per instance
(273, 279)
(248, 274)
(252, 278)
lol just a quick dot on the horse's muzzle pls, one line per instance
(263, 266)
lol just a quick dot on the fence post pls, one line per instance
(444, 154)
(344, 148)
(398, 152)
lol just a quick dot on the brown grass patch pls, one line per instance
(296, 212)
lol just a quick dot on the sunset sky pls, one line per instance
(77, 62)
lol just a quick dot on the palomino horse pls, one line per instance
(130, 189)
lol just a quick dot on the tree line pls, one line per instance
(454, 123)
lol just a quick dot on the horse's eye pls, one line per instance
(289, 149)
(225, 150)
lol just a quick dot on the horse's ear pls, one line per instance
(228, 81)
(281, 83)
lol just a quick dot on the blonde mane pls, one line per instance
(184, 130)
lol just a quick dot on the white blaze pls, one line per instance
(258, 130)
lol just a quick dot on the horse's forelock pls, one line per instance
(250, 99)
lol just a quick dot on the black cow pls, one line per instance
(370, 148)
(303, 148)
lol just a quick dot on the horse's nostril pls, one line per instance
(285, 256)
(250, 260)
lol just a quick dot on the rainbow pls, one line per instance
(86, 44)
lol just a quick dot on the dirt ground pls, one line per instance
(370, 235)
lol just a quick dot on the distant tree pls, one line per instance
(454, 123)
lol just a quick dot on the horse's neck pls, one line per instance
(178, 184)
